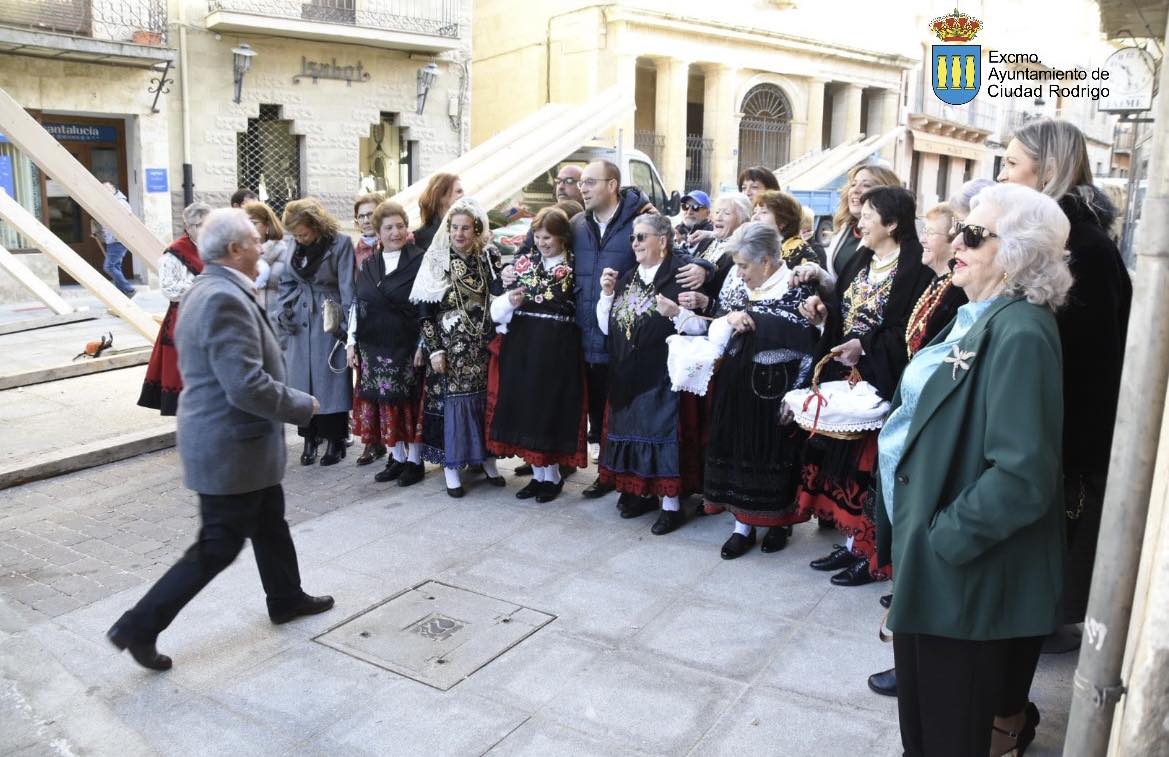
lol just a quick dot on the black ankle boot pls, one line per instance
(309, 455)
(334, 453)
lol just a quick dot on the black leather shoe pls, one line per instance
(309, 455)
(392, 470)
(856, 574)
(496, 480)
(533, 488)
(308, 605)
(825, 524)
(738, 545)
(334, 453)
(457, 492)
(145, 655)
(370, 453)
(886, 600)
(411, 474)
(638, 506)
(775, 539)
(524, 470)
(549, 491)
(596, 490)
(884, 683)
(841, 557)
(566, 471)
(668, 520)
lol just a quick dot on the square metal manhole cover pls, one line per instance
(434, 633)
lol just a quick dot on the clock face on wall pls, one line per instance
(1131, 73)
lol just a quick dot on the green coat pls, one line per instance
(977, 540)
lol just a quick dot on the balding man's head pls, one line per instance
(568, 184)
(599, 184)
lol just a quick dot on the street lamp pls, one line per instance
(241, 62)
(427, 75)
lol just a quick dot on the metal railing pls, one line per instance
(142, 22)
(439, 18)
(650, 143)
(698, 154)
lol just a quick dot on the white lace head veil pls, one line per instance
(434, 275)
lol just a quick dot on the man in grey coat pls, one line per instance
(231, 420)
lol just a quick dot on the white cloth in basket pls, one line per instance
(692, 358)
(845, 409)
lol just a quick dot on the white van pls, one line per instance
(637, 169)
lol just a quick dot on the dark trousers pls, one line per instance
(1084, 499)
(227, 521)
(327, 427)
(950, 690)
(597, 381)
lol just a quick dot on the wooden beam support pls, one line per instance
(9, 263)
(47, 242)
(52, 158)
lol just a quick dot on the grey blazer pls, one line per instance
(234, 402)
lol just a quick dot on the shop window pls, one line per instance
(21, 179)
(268, 158)
(943, 183)
(384, 157)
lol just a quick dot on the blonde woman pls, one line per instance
(320, 271)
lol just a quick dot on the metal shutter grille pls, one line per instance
(268, 158)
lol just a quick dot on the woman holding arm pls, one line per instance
(970, 496)
(276, 251)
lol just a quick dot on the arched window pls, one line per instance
(765, 131)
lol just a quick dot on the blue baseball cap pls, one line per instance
(700, 197)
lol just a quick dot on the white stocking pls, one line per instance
(399, 452)
(413, 454)
(489, 467)
(671, 503)
(742, 529)
(452, 478)
(538, 473)
(552, 474)
(848, 543)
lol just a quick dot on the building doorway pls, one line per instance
(765, 131)
(100, 146)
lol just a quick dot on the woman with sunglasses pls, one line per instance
(876, 292)
(1051, 156)
(970, 501)
(651, 447)
(453, 289)
(368, 432)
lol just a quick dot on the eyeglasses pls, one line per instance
(640, 236)
(364, 216)
(567, 181)
(590, 183)
(974, 236)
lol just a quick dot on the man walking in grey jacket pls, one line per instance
(231, 420)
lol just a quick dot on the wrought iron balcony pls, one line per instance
(381, 22)
(141, 22)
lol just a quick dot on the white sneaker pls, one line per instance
(595, 452)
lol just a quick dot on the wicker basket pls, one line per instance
(813, 426)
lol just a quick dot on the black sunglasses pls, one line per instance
(973, 236)
(690, 206)
(567, 181)
(640, 236)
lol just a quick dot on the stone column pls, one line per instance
(814, 122)
(626, 78)
(890, 100)
(721, 125)
(846, 114)
(673, 82)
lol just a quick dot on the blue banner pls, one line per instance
(6, 182)
(81, 132)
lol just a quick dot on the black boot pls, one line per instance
(309, 455)
(334, 453)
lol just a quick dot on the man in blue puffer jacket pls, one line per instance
(600, 240)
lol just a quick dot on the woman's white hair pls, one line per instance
(1033, 235)
(739, 204)
(756, 241)
(222, 227)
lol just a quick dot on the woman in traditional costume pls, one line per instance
(539, 411)
(877, 291)
(383, 340)
(650, 448)
(177, 269)
(454, 286)
(363, 208)
(766, 347)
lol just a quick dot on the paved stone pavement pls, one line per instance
(659, 646)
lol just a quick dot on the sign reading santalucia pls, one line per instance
(1041, 82)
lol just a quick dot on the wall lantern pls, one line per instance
(427, 75)
(241, 62)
